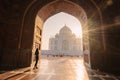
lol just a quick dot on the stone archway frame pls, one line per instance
(27, 28)
(69, 8)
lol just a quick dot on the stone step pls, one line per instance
(10, 74)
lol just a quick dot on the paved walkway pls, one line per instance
(57, 68)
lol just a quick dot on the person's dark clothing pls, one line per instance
(36, 58)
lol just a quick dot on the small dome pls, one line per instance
(65, 29)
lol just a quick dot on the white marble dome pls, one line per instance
(65, 43)
(65, 29)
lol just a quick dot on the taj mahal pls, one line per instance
(64, 43)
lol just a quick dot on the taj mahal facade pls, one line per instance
(64, 43)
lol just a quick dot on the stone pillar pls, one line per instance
(9, 55)
(113, 49)
(97, 52)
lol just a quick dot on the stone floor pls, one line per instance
(58, 68)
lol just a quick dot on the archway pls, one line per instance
(90, 21)
(54, 32)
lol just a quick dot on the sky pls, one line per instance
(53, 24)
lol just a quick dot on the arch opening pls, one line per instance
(63, 6)
(61, 29)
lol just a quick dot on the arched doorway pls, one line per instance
(90, 22)
(60, 29)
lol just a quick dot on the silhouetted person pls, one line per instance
(36, 58)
